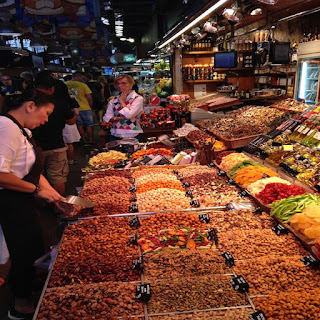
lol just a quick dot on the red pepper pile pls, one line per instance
(277, 191)
(223, 154)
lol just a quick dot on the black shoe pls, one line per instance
(15, 315)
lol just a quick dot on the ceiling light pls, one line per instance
(194, 22)
(131, 40)
(269, 1)
(6, 27)
(232, 14)
(123, 39)
(256, 11)
(105, 21)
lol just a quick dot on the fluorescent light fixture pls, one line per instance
(303, 77)
(300, 14)
(123, 39)
(194, 22)
(272, 2)
(131, 40)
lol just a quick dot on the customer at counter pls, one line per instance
(124, 111)
(21, 182)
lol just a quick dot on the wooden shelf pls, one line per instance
(204, 81)
(199, 52)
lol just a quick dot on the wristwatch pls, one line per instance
(35, 191)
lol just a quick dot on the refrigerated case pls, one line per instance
(307, 85)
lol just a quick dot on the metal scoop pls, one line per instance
(78, 201)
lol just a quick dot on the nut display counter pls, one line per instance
(173, 262)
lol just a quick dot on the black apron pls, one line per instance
(20, 223)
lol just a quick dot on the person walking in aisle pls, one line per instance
(82, 93)
(124, 111)
(97, 98)
(21, 182)
(49, 136)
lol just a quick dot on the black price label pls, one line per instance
(221, 173)
(239, 284)
(279, 229)
(258, 315)
(243, 193)
(134, 208)
(133, 198)
(176, 172)
(311, 261)
(204, 217)
(229, 260)
(212, 235)
(211, 165)
(257, 210)
(189, 194)
(137, 264)
(230, 181)
(180, 177)
(186, 184)
(143, 292)
(134, 222)
(195, 203)
(133, 188)
(265, 176)
(132, 240)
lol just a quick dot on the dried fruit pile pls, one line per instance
(105, 300)
(249, 244)
(291, 305)
(274, 274)
(154, 151)
(231, 314)
(179, 263)
(105, 159)
(194, 293)
(186, 238)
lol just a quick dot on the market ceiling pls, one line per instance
(78, 22)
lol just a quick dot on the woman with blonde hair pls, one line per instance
(124, 110)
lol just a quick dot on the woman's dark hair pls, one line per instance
(15, 101)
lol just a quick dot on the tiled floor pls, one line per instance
(50, 223)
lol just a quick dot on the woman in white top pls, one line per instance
(124, 111)
(21, 182)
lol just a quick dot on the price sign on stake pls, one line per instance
(180, 177)
(186, 184)
(239, 284)
(243, 194)
(137, 264)
(134, 222)
(257, 210)
(189, 194)
(258, 315)
(230, 181)
(279, 229)
(132, 240)
(195, 203)
(311, 261)
(176, 172)
(229, 260)
(221, 173)
(133, 198)
(133, 188)
(211, 165)
(143, 292)
(134, 208)
(204, 217)
(212, 235)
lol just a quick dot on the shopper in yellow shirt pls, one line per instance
(81, 92)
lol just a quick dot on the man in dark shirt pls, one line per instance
(49, 136)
